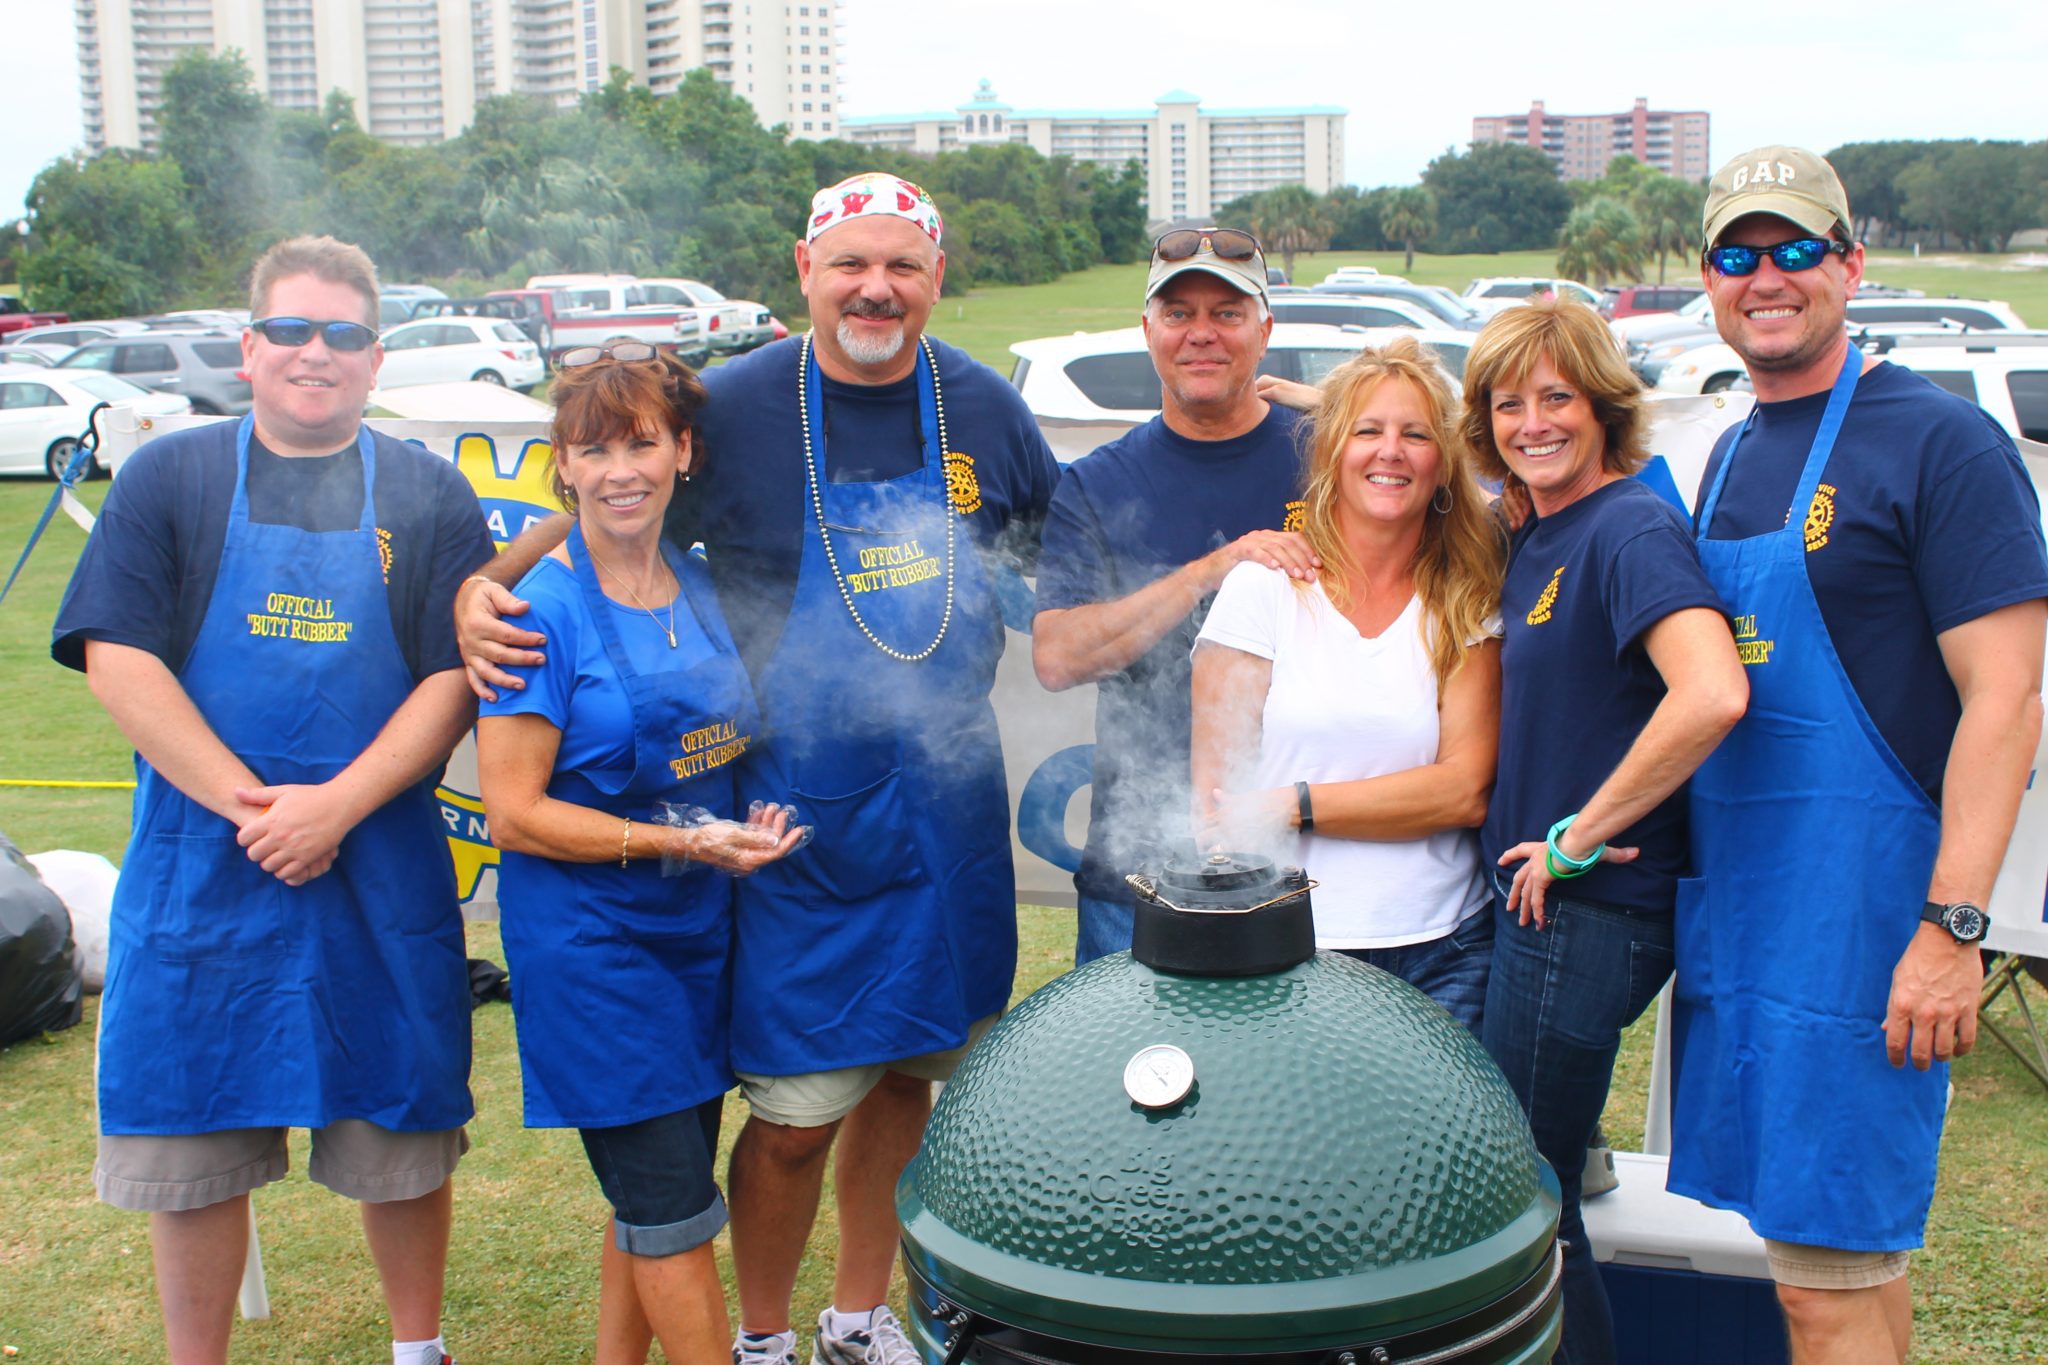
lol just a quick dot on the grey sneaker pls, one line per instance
(883, 1343)
(749, 1349)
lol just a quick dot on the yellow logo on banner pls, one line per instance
(513, 498)
(1540, 613)
(469, 839)
(963, 489)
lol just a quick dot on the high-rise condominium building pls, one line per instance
(416, 68)
(1581, 145)
(1195, 159)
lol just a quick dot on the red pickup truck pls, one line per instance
(15, 317)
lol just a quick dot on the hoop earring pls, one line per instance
(1443, 491)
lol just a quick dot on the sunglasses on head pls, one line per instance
(576, 357)
(1227, 243)
(339, 336)
(1801, 253)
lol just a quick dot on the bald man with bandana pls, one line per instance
(861, 488)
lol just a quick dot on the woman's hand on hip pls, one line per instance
(1533, 878)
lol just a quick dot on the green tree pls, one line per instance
(112, 236)
(217, 128)
(1288, 219)
(1600, 241)
(1499, 196)
(1669, 211)
(1979, 191)
(1869, 172)
(1355, 218)
(1408, 216)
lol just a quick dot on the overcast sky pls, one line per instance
(1412, 75)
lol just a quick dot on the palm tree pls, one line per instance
(1408, 216)
(1600, 241)
(1289, 219)
(1668, 209)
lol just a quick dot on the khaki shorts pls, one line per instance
(1805, 1267)
(173, 1172)
(822, 1097)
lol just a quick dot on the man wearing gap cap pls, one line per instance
(1879, 545)
(1140, 535)
(861, 479)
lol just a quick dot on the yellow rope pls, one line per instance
(42, 782)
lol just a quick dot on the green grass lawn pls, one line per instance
(74, 1275)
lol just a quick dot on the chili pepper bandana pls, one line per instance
(869, 193)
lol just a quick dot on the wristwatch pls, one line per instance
(1965, 921)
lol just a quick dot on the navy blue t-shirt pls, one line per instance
(1125, 515)
(748, 505)
(148, 570)
(1583, 586)
(1925, 519)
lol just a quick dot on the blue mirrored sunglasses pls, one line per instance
(1801, 253)
(339, 336)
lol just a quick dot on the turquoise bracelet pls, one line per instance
(1579, 866)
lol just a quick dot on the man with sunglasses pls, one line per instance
(263, 610)
(1879, 546)
(1140, 535)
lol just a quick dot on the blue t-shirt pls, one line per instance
(1583, 585)
(1125, 515)
(1925, 519)
(147, 573)
(747, 505)
(577, 690)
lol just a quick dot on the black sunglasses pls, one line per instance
(1229, 244)
(339, 336)
(578, 356)
(1801, 253)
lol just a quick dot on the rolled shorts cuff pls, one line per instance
(182, 1196)
(817, 1098)
(1814, 1267)
(671, 1239)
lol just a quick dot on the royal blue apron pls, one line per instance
(896, 928)
(233, 1000)
(1815, 846)
(621, 984)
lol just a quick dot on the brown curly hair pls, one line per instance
(613, 398)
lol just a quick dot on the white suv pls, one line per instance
(1490, 294)
(2004, 373)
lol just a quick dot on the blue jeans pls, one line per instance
(657, 1174)
(1102, 927)
(1555, 1008)
(1451, 970)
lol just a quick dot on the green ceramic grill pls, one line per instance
(1226, 1145)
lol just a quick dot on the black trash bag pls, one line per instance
(487, 982)
(41, 980)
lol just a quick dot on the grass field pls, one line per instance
(75, 1284)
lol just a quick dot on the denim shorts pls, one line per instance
(657, 1173)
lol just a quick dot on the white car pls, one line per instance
(44, 412)
(447, 350)
(1352, 310)
(1490, 294)
(730, 325)
(2006, 374)
(1709, 367)
(1089, 387)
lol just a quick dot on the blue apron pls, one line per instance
(896, 928)
(233, 1000)
(1816, 845)
(620, 978)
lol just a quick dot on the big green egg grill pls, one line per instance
(1226, 1145)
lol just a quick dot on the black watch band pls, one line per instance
(1308, 814)
(1966, 923)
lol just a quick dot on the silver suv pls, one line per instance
(205, 367)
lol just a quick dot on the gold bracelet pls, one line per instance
(474, 578)
(625, 838)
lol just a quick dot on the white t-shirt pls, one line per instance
(1342, 707)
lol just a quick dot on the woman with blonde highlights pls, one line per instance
(624, 977)
(1618, 676)
(1350, 723)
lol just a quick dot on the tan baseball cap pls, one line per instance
(1790, 182)
(1246, 275)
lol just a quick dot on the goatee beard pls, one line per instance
(865, 349)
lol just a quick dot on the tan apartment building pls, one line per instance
(416, 68)
(1581, 145)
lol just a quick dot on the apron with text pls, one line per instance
(233, 1000)
(896, 928)
(620, 981)
(1815, 846)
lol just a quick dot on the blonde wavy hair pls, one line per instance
(1459, 564)
(1583, 352)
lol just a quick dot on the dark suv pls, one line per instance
(1629, 300)
(205, 367)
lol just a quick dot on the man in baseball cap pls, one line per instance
(1878, 544)
(1141, 533)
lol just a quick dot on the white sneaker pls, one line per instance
(883, 1343)
(775, 1350)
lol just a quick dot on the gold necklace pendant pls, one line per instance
(668, 629)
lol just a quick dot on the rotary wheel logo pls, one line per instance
(1540, 613)
(384, 553)
(1819, 517)
(963, 489)
(1297, 516)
